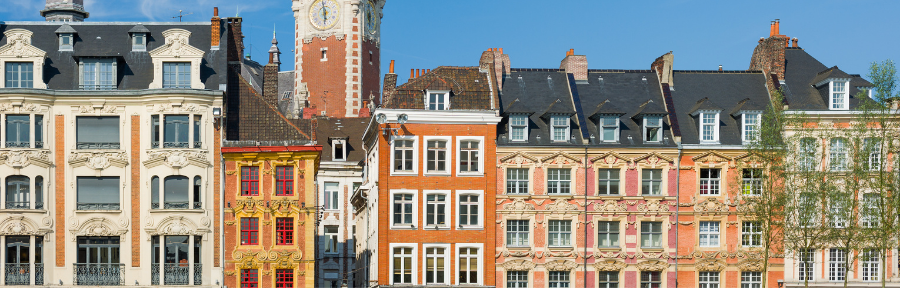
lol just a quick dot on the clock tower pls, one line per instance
(336, 58)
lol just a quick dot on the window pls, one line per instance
(97, 132)
(808, 217)
(38, 131)
(751, 127)
(249, 278)
(403, 155)
(249, 231)
(198, 142)
(870, 265)
(176, 131)
(837, 158)
(98, 74)
(436, 210)
(39, 192)
(870, 210)
(709, 279)
(836, 264)
(339, 150)
(403, 265)
(331, 196)
(609, 128)
(838, 213)
(560, 126)
(653, 129)
(709, 127)
(435, 259)
(608, 180)
(139, 42)
(324, 56)
(66, 40)
(516, 180)
(608, 234)
(608, 279)
(516, 279)
(807, 157)
(651, 181)
(468, 210)
(331, 235)
(176, 75)
(284, 231)
(872, 146)
(97, 193)
(752, 182)
(751, 279)
(709, 234)
(517, 233)
(98, 253)
(284, 181)
(805, 264)
(559, 279)
(250, 181)
(18, 128)
(709, 181)
(198, 182)
(751, 234)
(175, 192)
(468, 266)
(651, 235)
(284, 278)
(17, 192)
(19, 75)
(403, 209)
(437, 156)
(468, 156)
(558, 181)
(438, 101)
(560, 233)
(839, 99)
(651, 279)
(518, 127)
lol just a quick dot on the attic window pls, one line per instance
(339, 149)
(653, 129)
(560, 128)
(437, 100)
(66, 41)
(518, 127)
(709, 128)
(139, 42)
(839, 99)
(609, 128)
(750, 129)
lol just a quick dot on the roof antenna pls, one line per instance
(181, 14)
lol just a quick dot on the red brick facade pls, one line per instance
(326, 75)
(59, 148)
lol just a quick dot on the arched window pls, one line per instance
(154, 192)
(176, 192)
(197, 182)
(39, 192)
(17, 190)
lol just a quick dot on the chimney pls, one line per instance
(390, 83)
(412, 74)
(720, 67)
(575, 64)
(663, 68)
(777, 27)
(236, 40)
(794, 42)
(215, 29)
(771, 28)
(417, 73)
(64, 11)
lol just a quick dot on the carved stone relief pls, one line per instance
(711, 205)
(710, 265)
(560, 265)
(22, 158)
(19, 225)
(609, 265)
(98, 160)
(177, 158)
(561, 205)
(518, 205)
(518, 265)
(653, 205)
(610, 206)
(652, 265)
(96, 226)
(177, 225)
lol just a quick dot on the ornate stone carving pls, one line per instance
(97, 226)
(610, 158)
(653, 158)
(518, 265)
(91, 109)
(177, 225)
(561, 158)
(652, 265)
(22, 158)
(518, 205)
(518, 158)
(710, 265)
(711, 205)
(561, 205)
(176, 48)
(751, 265)
(18, 48)
(507, 253)
(177, 158)
(609, 265)
(711, 157)
(560, 265)
(19, 225)
(653, 205)
(610, 206)
(249, 205)
(98, 160)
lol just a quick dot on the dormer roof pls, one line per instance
(606, 108)
(833, 73)
(650, 108)
(557, 108)
(746, 104)
(139, 28)
(66, 29)
(704, 105)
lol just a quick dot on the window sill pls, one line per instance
(35, 211)
(607, 249)
(405, 227)
(98, 211)
(469, 174)
(652, 249)
(519, 248)
(436, 228)
(561, 248)
(561, 195)
(517, 195)
(404, 173)
(437, 174)
(470, 228)
(178, 210)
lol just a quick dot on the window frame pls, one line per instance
(252, 236)
(7, 66)
(751, 233)
(559, 187)
(415, 209)
(284, 278)
(604, 228)
(518, 181)
(249, 274)
(459, 155)
(651, 234)
(874, 160)
(415, 155)
(336, 237)
(618, 180)
(753, 183)
(480, 206)
(178, 73)
(867, 265)
(99, 145)
(748, 124)
(713, 184)
(118, 193)
(808, 152)
(135, 47)
(750, 279)
(608, 282)
(843, 94)
(559, 235)
(513, 125)
(838, 154)
(66, 47)
(602, 126)
(713, 126)
(253, 172)
(479, 258)
(711, 279)
(414, 261)
(521, 279)
(712, 233)
(650, 282)
(837, 269)
(647, 125)
(518, 238)
(448, 155)
(158, 132)
(332, 197)
(807, 268)
(651, 181)
(284, 234)
(445, 95)
(97, 73)
(554, 127)
(446, 257)
(448, 209)
(335, 156)
(284, 176)
(563, 279)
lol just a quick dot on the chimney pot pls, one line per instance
(412, 73)
(777, 27)
(720, 67)
(771, 28)
(491, 49)
(216, 11)
(794, 42)
(392, 67)
(417, 73)
(501, 50)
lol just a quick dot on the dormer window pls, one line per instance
(750, 127)
(339, 149)
(65, 41)
(559, 126)
(139, 42)
(437, 100)
(518, 127)
(653, 129)
(609, 128)
(98, 74)
(839, 99)
(709, 127)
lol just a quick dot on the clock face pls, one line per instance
(371, 18)
(324, 14)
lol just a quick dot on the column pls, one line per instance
(162, 258)
(31, 131)
(191, 257)
(31, 259)
(191, 132)
(32, 188)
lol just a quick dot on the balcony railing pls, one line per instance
(17, 144)
(38, 205)
(198, 144)
(170, 144)
(39, 144)
(198, 205)
(97, 87)
(177, 274)
(99, 274)
(97, 145)
(18, 205)
(97, 206)
(176, 205)
(198, 274)
(18, 274)
(38, 274)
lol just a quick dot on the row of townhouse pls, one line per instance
(492, 176)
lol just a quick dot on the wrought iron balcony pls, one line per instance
(18, 205)
(154, 205)
(177, 274)
(97, 87)
(97, 206)
(198, 144)
(198, 205)
(18, 274)
(39, 144)
(38, 274)
(97, 145)
(17, 144)
(172, 144)
(99, 274)
(38, 205)
(176, 205)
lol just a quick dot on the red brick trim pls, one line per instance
(59, 144)
(217, 195)
(135, 189)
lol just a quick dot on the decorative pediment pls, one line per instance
(98, 160)
(177, 45)
(653, 158)
(177, 225)
(249, 206)
(652, 265)
(17, 106)
(561, 158)
(286, 259)
(518, 158)
(177, 108)
(610, 206)
(560, 265)
(653, 205)
(96, 226)
(561, 205)
(751, 265)
(609, 265)
(710, 265)
(20, 225)
(711, 205)
(22, 158)
(18, 45)
(518, 205)
(518, 265)
(282, 207)
(711, 157)
(177, 158)
(97, 109)
(610, 158)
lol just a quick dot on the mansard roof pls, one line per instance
(470, 89)
(723, 91)
(803, 71)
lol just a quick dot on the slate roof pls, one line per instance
(802, 71)
(470, 89)
(251, 119)
(350, 128)
(134, 69)
(714, 90)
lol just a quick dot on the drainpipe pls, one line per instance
(677, 206)
(221, 199)
(585, 215)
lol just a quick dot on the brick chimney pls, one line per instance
(215, 29)
(663, 68)
(768, 56)
(270, 74)
(390, 83)
(236, 43)
(575, 64)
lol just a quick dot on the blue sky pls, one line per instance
(536, 34)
